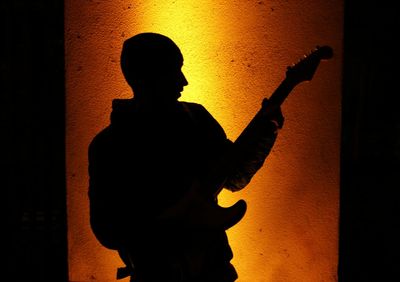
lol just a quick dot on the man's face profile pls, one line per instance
(168, 79)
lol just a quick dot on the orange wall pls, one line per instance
(236, 53)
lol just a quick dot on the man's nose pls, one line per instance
(184, 80)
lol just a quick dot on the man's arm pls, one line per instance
(253, 146)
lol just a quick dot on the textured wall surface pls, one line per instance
(235, 53)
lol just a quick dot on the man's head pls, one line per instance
(151, 64)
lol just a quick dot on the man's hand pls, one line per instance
(198, 211)
(273, 112)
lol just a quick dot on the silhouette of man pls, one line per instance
(144, 165)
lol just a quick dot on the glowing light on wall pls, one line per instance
(235, 54)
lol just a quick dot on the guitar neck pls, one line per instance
(301, 71)
(281, 92)
(251, 132)
(275, 100)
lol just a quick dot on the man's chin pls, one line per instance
(171, 97)
(174, 96)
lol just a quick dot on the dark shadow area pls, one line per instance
(32, 115)
(370, 206)
(32, 99)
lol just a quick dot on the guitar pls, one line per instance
(199, 206)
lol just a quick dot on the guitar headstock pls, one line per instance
(304, 69)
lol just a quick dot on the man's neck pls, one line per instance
(149, 104)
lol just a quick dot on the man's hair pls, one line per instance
(146, 55)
